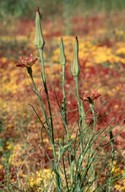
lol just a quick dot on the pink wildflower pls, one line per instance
(93, 96)
(27, 62)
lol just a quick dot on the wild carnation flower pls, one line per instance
(91, 97)
(27, 62)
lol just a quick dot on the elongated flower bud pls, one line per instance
(62, 58)
(75, 65)
(39, 40)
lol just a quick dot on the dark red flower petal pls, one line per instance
(20, 65)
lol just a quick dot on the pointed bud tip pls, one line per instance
(61, 40)
(76, 38)
(39, 39)
(62, 58)
(38, 11)
(75, 65)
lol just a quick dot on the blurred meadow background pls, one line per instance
(100, 28)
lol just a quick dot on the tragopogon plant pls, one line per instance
(77, 163)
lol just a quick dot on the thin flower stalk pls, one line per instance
(91, 99)
(39, 42)
(28, 62)
(82, 116)
(50, 121)
(110, 181)
(62, 61)
(91, 151)
(75, 72)
(40, 99)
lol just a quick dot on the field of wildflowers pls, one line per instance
(41, 121)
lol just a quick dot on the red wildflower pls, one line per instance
(94, 95)
(27, 62)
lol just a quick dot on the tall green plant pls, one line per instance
(77, 163)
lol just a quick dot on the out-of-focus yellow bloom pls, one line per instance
(120, 50)
(102, 55)
(13, 159)
(9, 145)
(1, 166)
(44, 176)
(119, 183)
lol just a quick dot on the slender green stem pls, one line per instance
(112, 160)
(64, 119)
(63, 81)
(42, 64)
(46, 91)
(91, 150)
(94, 115)
(64, 168)
(82, 115)
(63, 110)
(40, 99)
(50, 122)
(80, 105)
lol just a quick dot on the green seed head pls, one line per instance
(39, 40)
(75, 65)
(62, 58)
